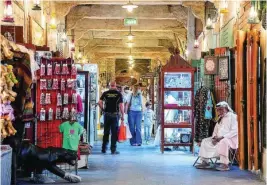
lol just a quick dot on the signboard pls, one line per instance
(130, 21)
(147, 76)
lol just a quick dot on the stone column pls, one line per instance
(190, 35)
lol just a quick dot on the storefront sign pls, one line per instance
(147, 76)
(226, 35)
(130, 21)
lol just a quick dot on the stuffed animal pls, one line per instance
(11, 74)
(3, 128)
(5, 46)
(9, 127)
(7, 81)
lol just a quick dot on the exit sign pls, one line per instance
(130, 21)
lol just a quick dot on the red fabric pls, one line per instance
(79, 104)
(47, 131)
(79, 154)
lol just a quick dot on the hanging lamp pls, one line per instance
(36, 5)
(53, 24)
(209, 25)
(129, 6)
(8, 12)
(130, 44)
(253, 16)
(130, 36)
(224, 8)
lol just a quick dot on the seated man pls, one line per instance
(225, 136)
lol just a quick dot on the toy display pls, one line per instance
(7, 81)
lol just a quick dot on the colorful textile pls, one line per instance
(79, 104)
(71, 135)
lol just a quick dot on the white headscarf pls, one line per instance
(225, 104)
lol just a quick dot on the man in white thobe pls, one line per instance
(225, 136)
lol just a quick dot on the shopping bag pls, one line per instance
(122, 133)
(128, 133)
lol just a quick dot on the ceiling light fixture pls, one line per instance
(130, 44)
(209, 25)
(8, 12)
(129, 6)
(253, 16)
(36, 5)
(130, 36)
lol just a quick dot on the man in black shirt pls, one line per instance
(113, 106)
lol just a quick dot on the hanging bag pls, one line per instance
(122, 133)
(128, 133)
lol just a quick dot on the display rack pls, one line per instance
(48, 130)
(177, 91)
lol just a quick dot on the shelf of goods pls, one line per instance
(176, 93)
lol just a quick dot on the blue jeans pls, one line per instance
(147, 131)
(135, 120)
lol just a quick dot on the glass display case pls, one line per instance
(177, 91)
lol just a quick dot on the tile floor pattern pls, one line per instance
(147, 166)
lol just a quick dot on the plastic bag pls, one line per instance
(157, 138)
(128, 132)
(122, 133)
(102, 119)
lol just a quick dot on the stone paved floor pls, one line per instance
(147, 166)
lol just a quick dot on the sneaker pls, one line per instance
(115, 152)
(139, 144)
(223, 167)
(103, 151)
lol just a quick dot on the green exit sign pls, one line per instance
(130, 21)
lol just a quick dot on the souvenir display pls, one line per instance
(74, 84)
(73, 114)
(74, 98)
(211, 65)
(42, 114)
(48, 98)
(63, 85)
(43, 84)
(223, 68)
(73, 70)
(66, 99)
(65, 113)
(57, 69)
(58, 113)
(70, 83)
(42, 99)
(177, 86)
(49, 70)
(42, 70)
(50, 114)
(55, 84)
(65, 69)
(59, 99)
(49, 84)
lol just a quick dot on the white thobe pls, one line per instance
(227, 128)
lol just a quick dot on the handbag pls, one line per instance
(85, 149)
(128, 132)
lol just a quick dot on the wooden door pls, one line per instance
(240, 95)
(252, 99)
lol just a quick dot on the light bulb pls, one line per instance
(130, 37)
(53, 23)
(132, 76)
(9, 11)
(130, 9)
(130, 44)
(130, 57)
(129, 6)
(196, 44)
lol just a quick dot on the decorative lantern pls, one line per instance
(224, 8)
(8, 12)
(253, 16)
(36, 5)
(209, 25)
(53, 24)
(72, 46)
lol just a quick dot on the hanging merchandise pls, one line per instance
(73, 70)
(49, 70)
(58, 113)
(63, 85)
(65, 69)
(55, 84)
(42, 71)
(42, 114)
(66, 99)
(65, 113)
(50, 114)
(74, 84)
(43, 84)
(70, 83)
(73, 114)
(49, 84)
(48, 98)
(42, 99)
(74, 98)
(57, 69)
(59, 99)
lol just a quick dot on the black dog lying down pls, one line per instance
(35, 159)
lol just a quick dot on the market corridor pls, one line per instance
(147, 166)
